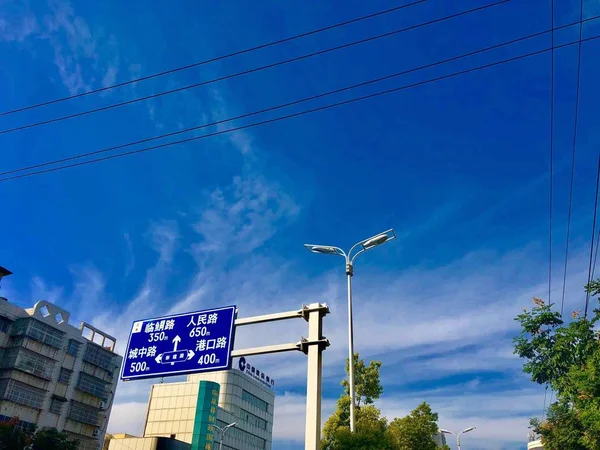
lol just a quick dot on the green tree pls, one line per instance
(370, 434)
(567, 359)
(367, 386)
(415, 431)
(50, 438)
(14, 437)
(368, 389)
(372, 430)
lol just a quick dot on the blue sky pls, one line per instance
(460, 168)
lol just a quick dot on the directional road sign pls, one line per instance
(194, 342)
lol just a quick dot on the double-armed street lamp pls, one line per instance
(222, 431)
(457, 435)
(363, 246)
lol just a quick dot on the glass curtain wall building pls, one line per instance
(173, 411)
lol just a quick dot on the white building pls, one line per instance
(55, 375)
(244, 397)
(535, 445)
(440, 439)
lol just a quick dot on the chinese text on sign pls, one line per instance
(185, 343)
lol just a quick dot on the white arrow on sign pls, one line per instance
(190, 354)
(176, 340)
(158, 359)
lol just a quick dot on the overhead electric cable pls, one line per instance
(249, 71)
(284, 105)
(551, 193)
(596, 253)
(587, 296)
(297, 114)
(577, 94)
(211, 60)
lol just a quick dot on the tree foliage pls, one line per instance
(566, 358)
(51, 438)
(414, 432)
(14, 437)
(366, 381)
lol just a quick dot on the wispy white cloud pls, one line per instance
(241, 218)
(437, 322)
(82, 58)
(40, 290)
(17, 25)
(501, 421)
(221, 110)
(164, 238)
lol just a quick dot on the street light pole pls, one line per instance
(222, 432)
(349, 273)
(366, 244)
(458, 435)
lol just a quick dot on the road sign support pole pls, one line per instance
(313, 347)
(312, 437)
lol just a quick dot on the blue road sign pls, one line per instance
(194, 342)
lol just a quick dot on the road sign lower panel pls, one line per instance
(199, 341)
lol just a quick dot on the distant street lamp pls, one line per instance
(365, 245)
(222, 431)
(457, 435)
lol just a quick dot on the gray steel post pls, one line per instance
(312, 439)
(364, 245)
(351, 386)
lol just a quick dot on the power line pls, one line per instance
(215, 59)
(551, 200)
(249, 71)
(292, 103)
(596, 253)
(587, 296)
(298, 114)
(562, 303)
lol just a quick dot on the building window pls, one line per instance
(92, 385)
(23, 394)
(65, 375)
(253, 420)
(249, 440)
(84, 413)
(255, 401)
(96, 355)
(38, 331)
(28, 361)
(56, 406)
(4, 324)
(35, 364)
(73, 347)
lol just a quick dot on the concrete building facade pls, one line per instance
(147, 443)
(55, 375)
(440, 439)
(242, 399)
(535, 445)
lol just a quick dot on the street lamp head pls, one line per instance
(445, 431)
(231, 425)
(469, 429)
(378, 239)
(324, 249)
